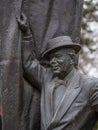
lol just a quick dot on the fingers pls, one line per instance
(18, 19)
(22, 19)
(23, 16)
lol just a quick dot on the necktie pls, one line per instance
(58, 92)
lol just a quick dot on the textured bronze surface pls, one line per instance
(47, 19)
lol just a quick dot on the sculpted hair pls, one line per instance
(72, 54)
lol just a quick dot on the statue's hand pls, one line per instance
(22, 21)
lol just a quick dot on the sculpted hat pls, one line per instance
(60, 42)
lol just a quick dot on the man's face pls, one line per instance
(60, 61)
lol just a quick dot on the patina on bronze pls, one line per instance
(69, 99)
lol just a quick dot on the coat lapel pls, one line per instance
(47, 106)
(71, 93)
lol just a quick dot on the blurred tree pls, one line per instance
(89, 40)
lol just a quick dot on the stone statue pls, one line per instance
(47, 19)
(69, 99)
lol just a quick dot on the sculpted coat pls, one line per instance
(71, 104)
(48, 19)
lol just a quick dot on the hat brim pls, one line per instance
(76, 47)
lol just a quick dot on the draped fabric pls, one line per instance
(51, 18)
(20, 101)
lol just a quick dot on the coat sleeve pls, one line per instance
(94, 96)
(33, 71)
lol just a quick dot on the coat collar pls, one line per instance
(68, 98)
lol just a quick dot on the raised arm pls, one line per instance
(33, 71)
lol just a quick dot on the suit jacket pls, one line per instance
(71, 105)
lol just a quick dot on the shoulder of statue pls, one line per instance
(88, 80)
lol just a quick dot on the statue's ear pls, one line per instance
(72, 55)
(76, 59)
(73, 59)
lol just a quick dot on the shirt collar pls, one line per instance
(66, 79)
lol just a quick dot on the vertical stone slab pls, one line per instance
(11, 64)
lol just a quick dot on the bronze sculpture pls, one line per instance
(48, 19)
(69, 99)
